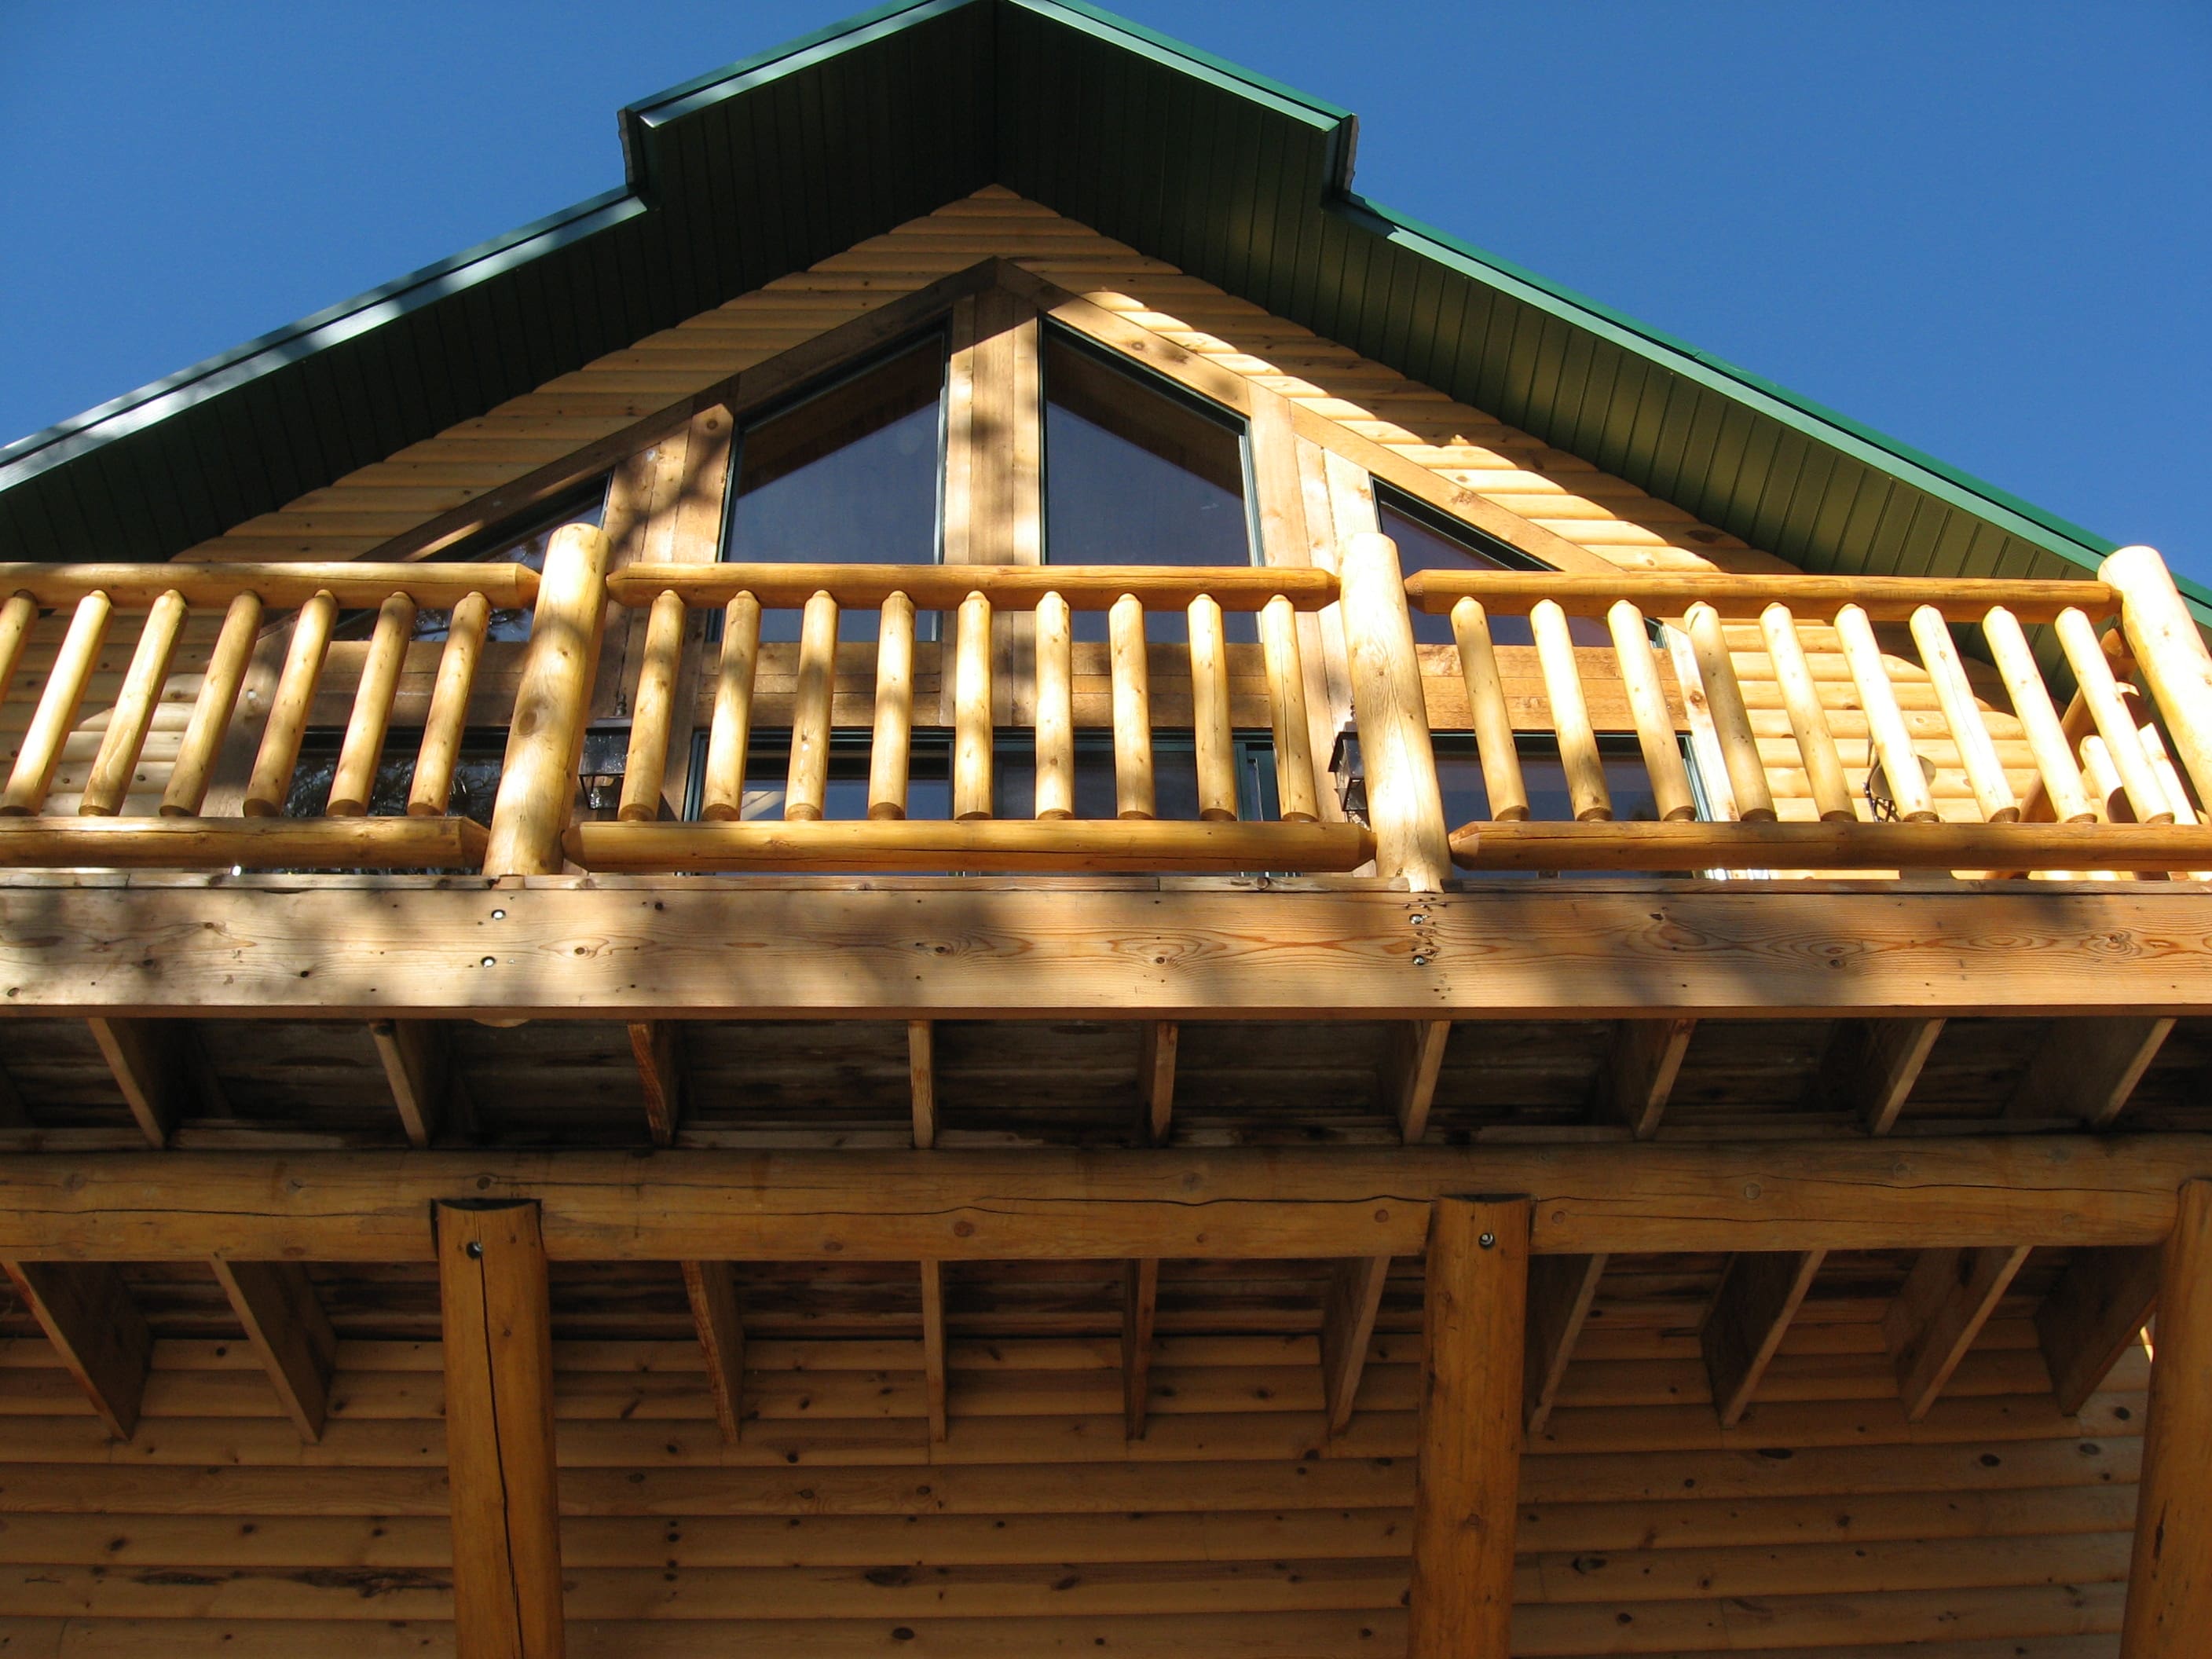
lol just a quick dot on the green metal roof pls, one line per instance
(771, 164)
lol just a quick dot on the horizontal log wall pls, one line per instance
(1235, 1527)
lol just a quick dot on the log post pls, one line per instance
(499, 1430)
(537, 784)
(1468, 1480)
(1404, 803)
(2171, 653)
(2170, 1581)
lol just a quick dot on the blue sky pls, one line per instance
(1985, 228)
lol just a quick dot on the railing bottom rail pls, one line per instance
(988, 845)
(195, 843)
(1532, 845)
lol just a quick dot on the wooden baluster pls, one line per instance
(1487, 713)
(2115, 724)
(1212, 736)
(1747, 773)
(1808, 722)
(2172, 654)
(1588, 797)
(1892, 742)
(889, 752)
(1296, 798)
(2108, 791)
(1132, 710)
(652, 711)
(109, 782)
(353, 785)
(431, 789)
(806, 785)
(1647, 703)
(18, 617)
(278, 757)
(971, 711)
(2031, 701)
(1055, 710)
(722, 793)
(552, 702)
(57, 705)
(1985, 773)
(211, 711)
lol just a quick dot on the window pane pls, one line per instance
(848, 477)
(1135, 475)
(1422, 544)
(1467, 800)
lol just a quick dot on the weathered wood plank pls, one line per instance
(499, 1430)
(1466, 1498)
(978, 950)
(1104, 1204)
(97, 1332)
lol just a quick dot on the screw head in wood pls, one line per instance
(1486, 1241)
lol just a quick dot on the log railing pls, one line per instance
(970, 599)
(248, 719)
(2104, 786)
(1906, 723)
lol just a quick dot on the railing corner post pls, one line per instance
(552, 704)
(1404, 803)
(2171, 653)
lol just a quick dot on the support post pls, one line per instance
(2169, 1579)
(1404, 804)
(538, 785)
(499, 1430)
(1467, 1486)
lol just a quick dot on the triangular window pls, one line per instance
(1427, 540)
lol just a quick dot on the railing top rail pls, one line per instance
(1884, 599)
(354, 585)
(944, 586)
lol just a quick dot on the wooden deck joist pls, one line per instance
(1103, 1204)
(555, 947)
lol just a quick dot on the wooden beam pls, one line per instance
(2169, 1609)
(1761, 1292)
(1140, 1297)
(806, 949)
(417, 1066)
(1347, 1331)
(2088, 1068)
(2093, 1315)
(712, 1291)
(499, 1462)
(932, 1346)
(1945, 1301)
(1104, 1204)
(276, 1301)
(1561, 1289)
(921, 1078)
(1467, 1483)
(147, 1058)
(1640, 1071)
(659, 1074)
(1156, 1080)
(1871, 1066)
(98, 1333)
(1412, 1058)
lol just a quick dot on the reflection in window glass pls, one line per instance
(849, 476)
(1013, 775)
(1136, 474)
(587, 504)
(1426, 541)
(476, 774)
(1467, 800)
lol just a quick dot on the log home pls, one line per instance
(984, 877)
